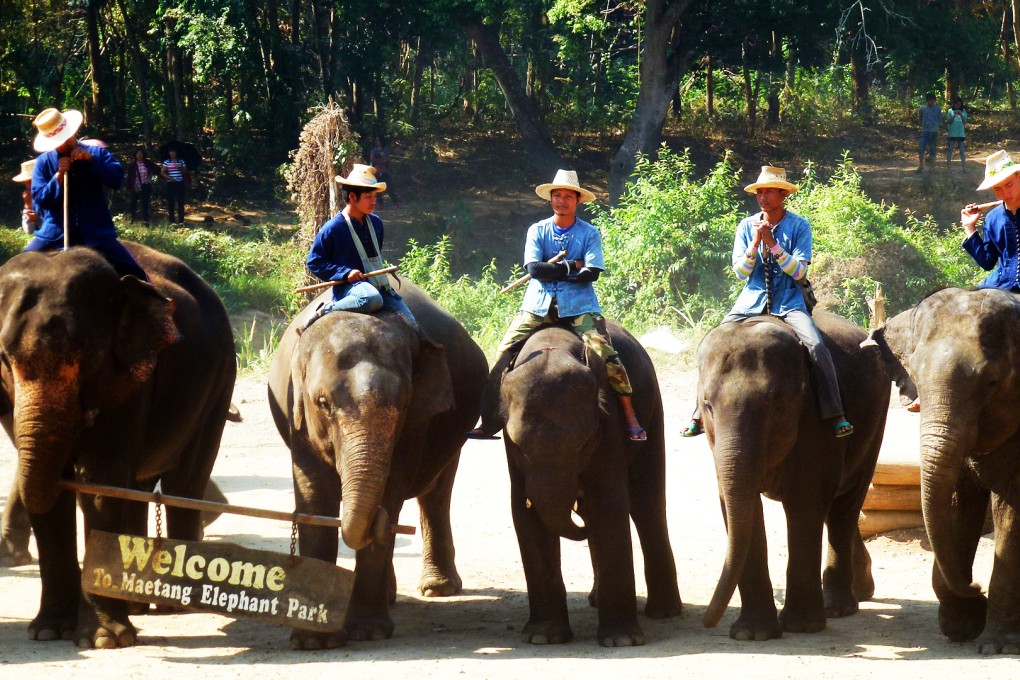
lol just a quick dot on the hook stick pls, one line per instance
(527, 277)
(67, 232)
(330, 284)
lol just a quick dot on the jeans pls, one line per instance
(145, 195)
(928, 141)
(175, 196)
(959, 143)
(366, 298)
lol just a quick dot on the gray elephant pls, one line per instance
(565, 444)
(374, 415)
(961, 349)
(763, 424)
(113, 381)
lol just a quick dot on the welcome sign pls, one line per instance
(219, 577)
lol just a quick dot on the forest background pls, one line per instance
(665, 108)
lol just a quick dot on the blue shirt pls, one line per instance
(90, 222)
(334, 255)
(793, 233)
(998, 249)
(582, 242)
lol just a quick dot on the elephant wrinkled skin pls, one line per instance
(112, 381)
(767, 437)
(566, 443)
(961, 349)
(375, 415)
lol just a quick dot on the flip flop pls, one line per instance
(478, 433)
(914, 406)
(843, 429)
(637, 434)
(693, 430)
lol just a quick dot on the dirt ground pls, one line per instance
(477, 634)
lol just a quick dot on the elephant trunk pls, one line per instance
(943, 449)
(45, 428)
(738, 490)
(553, 499)
(364, 467)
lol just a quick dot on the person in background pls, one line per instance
(29, 215)
(140, 173)
(956, 119)
(84, 170)
(379, 158)
(930, 116)
(174, 171)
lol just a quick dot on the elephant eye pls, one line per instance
(323, 403)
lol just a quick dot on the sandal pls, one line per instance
(914, 406)
(843, 429)
(479, 433)
(693, 430)
(637, 434)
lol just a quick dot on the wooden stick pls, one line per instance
(527, 277)
(330, 284)
(67, 232)
(983, 207)
(211, 506)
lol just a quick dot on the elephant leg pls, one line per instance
(548, 623)
(846, 579)
(962, 619)
(103, 622)
(316, 492)
(368, 616)
(613, 555)
(647, 485)
(56, 541)
(804, 611)
(15, 531)
(439, 577)
(1002, 629)
(758, 618)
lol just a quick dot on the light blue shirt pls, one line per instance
(582, 242)
(793, 233)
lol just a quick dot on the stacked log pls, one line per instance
(893, 500)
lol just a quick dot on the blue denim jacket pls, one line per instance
(90, 219)
(582, 242)
(793, 233)
(999, 249)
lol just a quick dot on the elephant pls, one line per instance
(960, 352)
(375, 414)
(767, 437)
(566, 447)
(114, 381)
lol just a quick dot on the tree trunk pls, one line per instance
(295, 22)
(538, 145)
(861, 77)
(417, 67)
(320, 16)
(97, 114)
(709, 87)
(749, 98)
(1014, 6)
(661, 65)
(138, 72)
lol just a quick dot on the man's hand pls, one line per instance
(80, 154)
(355, 275)
(969, 217)
(763, 233)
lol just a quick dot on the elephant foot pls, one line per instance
(312, 640)
(840, 604)
(435, 583)
(548, 632)
(14, 555)
(749, 628)
(963, 620)
(109, 636)
(794, 621)
(1005, 643)
(621, 635)
(362, 627)
(664, 607)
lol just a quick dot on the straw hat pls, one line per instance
(565, 179)
(771, 178)
(26, 172)
(55, 128)
(362, 176)
(998, 168)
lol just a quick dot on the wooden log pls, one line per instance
(897, 474)
(886, 497)
(880, 521)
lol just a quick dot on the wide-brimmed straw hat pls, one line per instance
(26, 172)
(998, 168)
(362, 176)
(565, 179)
(771, 178)
(55, 128)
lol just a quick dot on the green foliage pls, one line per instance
(256, 346)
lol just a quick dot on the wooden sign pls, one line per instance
(218, 577)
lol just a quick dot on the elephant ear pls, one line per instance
(894, 342)
(433, 387)
(145, 327)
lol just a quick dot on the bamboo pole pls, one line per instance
(211, 506)
(330, 284)
(984, 207)
(527, 277)
(67, 232)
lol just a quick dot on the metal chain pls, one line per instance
(293, 539)
(159, 515)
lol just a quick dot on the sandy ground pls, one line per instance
(477, 634)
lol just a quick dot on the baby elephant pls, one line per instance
(567, 448)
